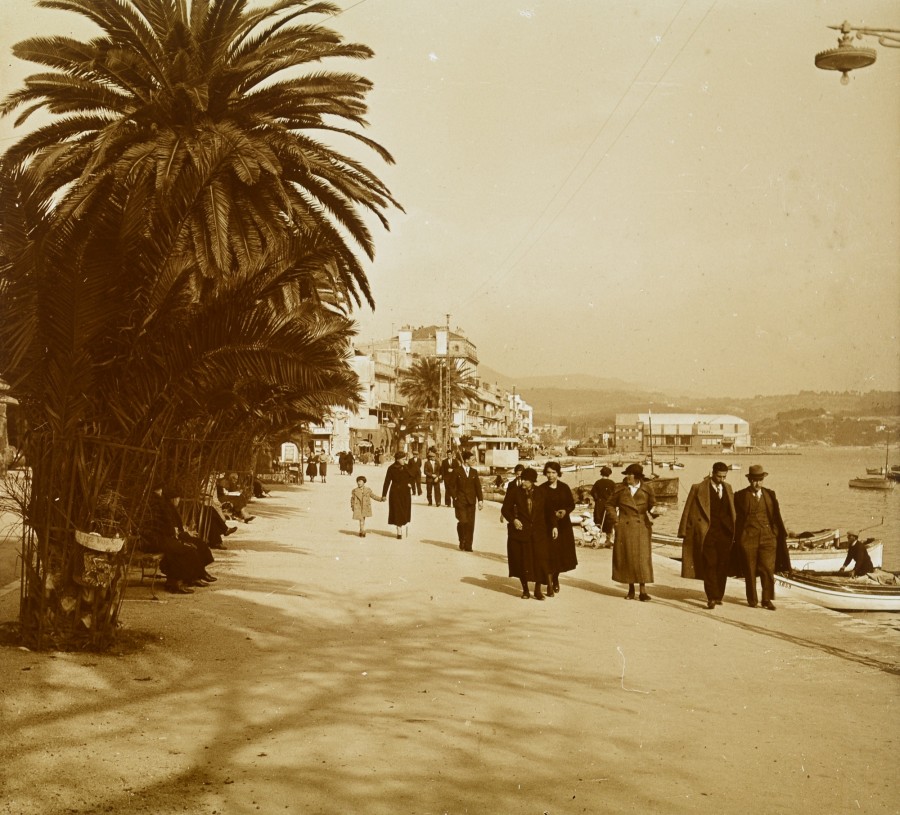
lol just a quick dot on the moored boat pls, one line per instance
(815, 552)
(838, 592)
(665, 488)
(872, 482)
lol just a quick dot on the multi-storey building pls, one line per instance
(681, 432)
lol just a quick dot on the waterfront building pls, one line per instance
(681, 432)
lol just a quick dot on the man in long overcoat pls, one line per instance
(760, 538)
(707, 529)
(467, 495)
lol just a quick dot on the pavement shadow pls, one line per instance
(490, 582)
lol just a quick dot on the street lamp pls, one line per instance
(848, 57)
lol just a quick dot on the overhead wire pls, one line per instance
(502, 274)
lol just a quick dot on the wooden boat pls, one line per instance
(665, 488)
(872, 482)
(838, 592)
(816, 553)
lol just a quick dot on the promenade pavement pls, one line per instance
(324, 673)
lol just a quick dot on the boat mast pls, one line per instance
(650, 424)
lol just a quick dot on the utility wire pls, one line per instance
(501, 275)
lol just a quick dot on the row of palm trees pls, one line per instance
(181, 252)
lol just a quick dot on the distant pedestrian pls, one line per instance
(398, 490)
(467, 495)
(448, 476)
(600, 493)
(760, 538)
(415, 471)
(361, 498)
(631, 504)
(312, 467)
(348, 462)
(323, 466)
(707, 531)
(432, 471)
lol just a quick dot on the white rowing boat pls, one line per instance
(838, 592)
(816, 553)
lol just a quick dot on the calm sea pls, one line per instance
(811, 487)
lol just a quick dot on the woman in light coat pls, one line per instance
(631, 506)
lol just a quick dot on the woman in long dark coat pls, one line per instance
(398, 480)
(526, 537)
(631, 504)
(312, 467)
(558, 503)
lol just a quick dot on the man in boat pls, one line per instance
(859, 555)
(707, 530)
(760, 539)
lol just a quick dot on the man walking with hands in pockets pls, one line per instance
(760, 537)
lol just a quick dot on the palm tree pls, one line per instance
(432, 384)
(215, 103)
(177, 253)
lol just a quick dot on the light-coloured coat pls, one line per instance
(361, 502)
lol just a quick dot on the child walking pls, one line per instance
(361, 503)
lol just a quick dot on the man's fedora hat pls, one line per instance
(756, 471)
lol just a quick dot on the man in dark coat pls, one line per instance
(415, 471)
(527, 548)
(466, 496)
(432, 479)
(707, 530)
(601, 493)
(760, 537)
(448, 476)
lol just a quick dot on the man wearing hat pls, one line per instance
(601, 492)
(707, 530)
(761, 538)
(527, 544)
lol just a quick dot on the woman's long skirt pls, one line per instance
(632, 561)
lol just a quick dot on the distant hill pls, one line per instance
(578, 382)
(592, 401)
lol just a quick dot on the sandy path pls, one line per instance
(325, 673)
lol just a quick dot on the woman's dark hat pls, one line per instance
(756, 471)
(634, 469)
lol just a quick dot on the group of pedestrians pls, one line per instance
(724, 533)
(733, 533)
(540, 543)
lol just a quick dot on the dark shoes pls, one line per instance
(249, 518)
(209, 578)
(710, 603)
(178, 588)
(556, 587)
(630, 595)
(644, 597)
(550, 591)
(768, 604)
(526, 595)
(538, 596)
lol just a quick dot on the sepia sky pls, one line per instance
(666, 191)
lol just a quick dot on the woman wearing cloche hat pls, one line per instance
(631, 504)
